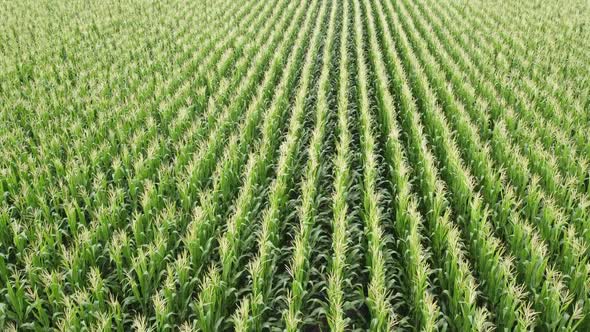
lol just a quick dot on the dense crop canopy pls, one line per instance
(306, 165)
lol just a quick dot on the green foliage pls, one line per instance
(294, 165)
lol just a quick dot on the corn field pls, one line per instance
(305, 165)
